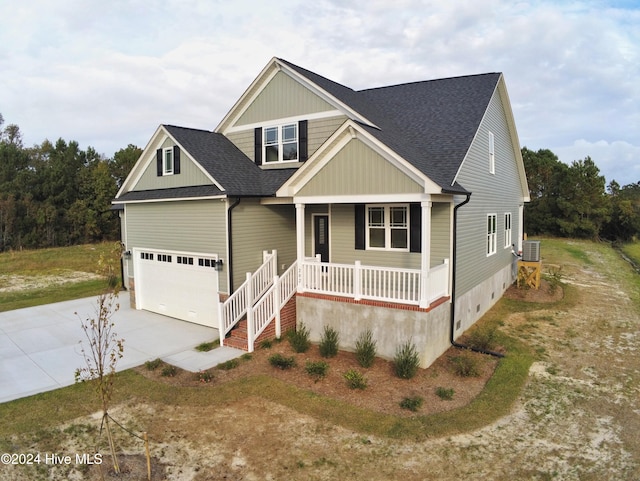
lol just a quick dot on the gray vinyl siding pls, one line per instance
(190, 174)
(256, 228)
(358, 170)
(491, 194)
(189, 226)
(282, 97)
(318, 131)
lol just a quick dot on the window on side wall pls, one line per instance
(387, 227)
(280, 144)
(491, 234)
(507, 230)
(492, 154)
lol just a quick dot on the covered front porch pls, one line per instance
(378, 252)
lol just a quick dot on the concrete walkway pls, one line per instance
(40, 346)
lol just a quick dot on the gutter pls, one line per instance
(453, 285)
(230, 244)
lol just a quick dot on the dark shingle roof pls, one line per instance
(431, 124)
(235, 172)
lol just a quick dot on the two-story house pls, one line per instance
(392, 209)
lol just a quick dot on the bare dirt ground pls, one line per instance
(12, 282)
(578, 417)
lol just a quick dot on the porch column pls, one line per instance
(425, 253)
(300, 242)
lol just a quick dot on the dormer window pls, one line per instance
(280, 143)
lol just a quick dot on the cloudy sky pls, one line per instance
(107, 73)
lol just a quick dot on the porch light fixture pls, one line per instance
(127, 254)
(218, 264)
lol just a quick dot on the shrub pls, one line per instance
(204, 376)
(365, 349)
(247, 356)
(406, 361)
(444, 393)
(228, 365)
(299, 339)
(412, 403)
(153, 365)
(207, 346)
(329, 342)
(266, 344)
(355, 380)
(281, 362)
(317, 369)
(169, 371)
(482, 338)
(465, 365)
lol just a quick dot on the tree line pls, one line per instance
(56, 194)
(573, 201)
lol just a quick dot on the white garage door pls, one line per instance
(177, 284)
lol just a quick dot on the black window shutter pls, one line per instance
(159, 162)
(360, 226)
(176, 159)
(415, 228)
(257, 134)
(302, 141)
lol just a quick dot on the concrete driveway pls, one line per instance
(40, 349)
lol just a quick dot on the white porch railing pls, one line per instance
(235, 307)
(269, 306)
(372, 282)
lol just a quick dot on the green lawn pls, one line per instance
(29, 415)
(632, 250)
(52, 262)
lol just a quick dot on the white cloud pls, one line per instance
(107, 73)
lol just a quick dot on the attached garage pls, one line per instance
(183, 285)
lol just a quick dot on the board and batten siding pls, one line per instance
(190, 174)
(256, 228)
(356, 170)
(186, 226)
(318, 131)
(282, 97)
(497, 193)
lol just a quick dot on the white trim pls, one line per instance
(280, 142)
(492, 153)
(165, 151)
(387, 227)
(264, 77)
(362, 199)
(144, 201)
(285, 120)
(508, 233)
(148, 153)
(491, 238)
(334, 144)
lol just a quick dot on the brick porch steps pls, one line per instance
(238, 337)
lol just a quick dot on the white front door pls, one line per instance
(183, 285)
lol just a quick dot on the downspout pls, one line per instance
(230, 246)
(453, 285)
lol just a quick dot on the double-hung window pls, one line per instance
(280, 143)
(491, 234)
(507, 230)
(388, 227)
(167, 162)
